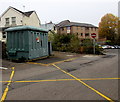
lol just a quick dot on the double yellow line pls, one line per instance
(96, 91)
(7, 88)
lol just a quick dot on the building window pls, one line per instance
(62, 29)
(13, 20)
(68, 29)
(95, 29)
(7, 21)
(91, 29)
(4, 35)
(87, 28)
(77, 27)
(82, 28)
(86, 34)
(54, 28)
(81, 34)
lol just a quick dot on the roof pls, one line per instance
(25, 28)
(48, 26)
(25, 13)
(67, 23)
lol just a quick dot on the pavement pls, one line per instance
(64, 76)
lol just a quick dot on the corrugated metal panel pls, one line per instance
(27, 43)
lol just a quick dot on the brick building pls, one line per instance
(82, 30)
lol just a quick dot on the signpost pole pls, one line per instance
(93, 35)
(93, 45)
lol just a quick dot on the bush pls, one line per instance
(87, 47)
(71, 43)
(61, 42)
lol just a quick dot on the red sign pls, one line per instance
(37, 39)
(93, 35)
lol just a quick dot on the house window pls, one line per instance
(91, 29)
(54, 28)
(62, 29)
(4, 35)
(81, 34)
(77, 27)
(7, 21)
(81, 28)
(13, 20)
(86, 28)
(86, 34)
(68, 29)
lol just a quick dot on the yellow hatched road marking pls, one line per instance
(63, 80)
(107, 98)
(7, 88)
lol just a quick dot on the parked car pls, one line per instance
(111, 47)
(117, 46)
(105, 46)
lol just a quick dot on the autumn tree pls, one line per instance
(108, 27)
(118, 36)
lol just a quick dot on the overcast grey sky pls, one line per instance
(84, 11)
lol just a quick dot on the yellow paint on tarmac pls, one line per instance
(53, 62)
(7, 88)
(89, 79)
(37, 63)
(96, 91)
(4, 94)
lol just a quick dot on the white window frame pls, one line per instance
(7, 21)
(13, 20)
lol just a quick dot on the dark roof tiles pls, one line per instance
(66, 23)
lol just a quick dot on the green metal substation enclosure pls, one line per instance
(27, 42)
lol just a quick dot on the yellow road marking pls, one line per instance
(7, 88)
(4, 95)
(37, 63)
(64, 80)
(107, 98)
(53, 62)
(63, 61)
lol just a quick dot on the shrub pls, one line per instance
(71, 43)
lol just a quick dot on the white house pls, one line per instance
(48, 26)
(14, 17)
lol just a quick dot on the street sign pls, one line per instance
(93, 35)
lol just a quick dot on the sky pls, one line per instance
(82, 11)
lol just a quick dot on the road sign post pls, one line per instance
(93, 45)
(93, 35)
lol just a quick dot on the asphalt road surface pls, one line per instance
(79, 77)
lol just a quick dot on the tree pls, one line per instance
(108, 27)
(118, 36)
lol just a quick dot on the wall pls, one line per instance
(11, 13)
(33, 20)
(78, 30)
